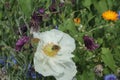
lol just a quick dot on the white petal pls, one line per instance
(69, 72)
(51, 36)
(42, 66)
(63, 58)
(67, 44)
(36, 35)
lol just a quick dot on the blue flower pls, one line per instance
(56, 27)
(31, 73)
(2, 60)
(110, 77)
(13, 60)
(119, 14)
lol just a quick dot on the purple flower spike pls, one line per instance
(89, 43)
(110, 77)
(21, 42)
(41, 11)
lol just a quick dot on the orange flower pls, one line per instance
(77, 20)
(110, 15)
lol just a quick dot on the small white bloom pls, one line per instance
(53, 55)
(80, 27)
(62, 1)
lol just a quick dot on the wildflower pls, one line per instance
(77, 20)
(20, 43)
(36, 20)
(41, 11)
(13, 62)
(119, 14)
(31, 72)
(61, 5)
(110, 15)
(62, 1)
(12, 58)
(89, 43)
(98, 69)
(53, 7)
(110, 77)
(2, 60)
(53, 55)
(56, 27)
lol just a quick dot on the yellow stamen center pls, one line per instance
(51, 49)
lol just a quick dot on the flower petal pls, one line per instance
(69, 72)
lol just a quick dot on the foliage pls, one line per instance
(14, 13)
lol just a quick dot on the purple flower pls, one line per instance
(41, 11)
(61, 4)
(110, 77)
(89, 43)
(21, 42)
(53, 8)
(36, 17)
(35, 21)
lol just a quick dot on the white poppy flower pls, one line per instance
(53, 55)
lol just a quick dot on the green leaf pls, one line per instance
(68, 25)
(110, 3)
(101, 6)
(107, 58)
(87, 76)
(0, 14)
(87, 3)
(26, 6)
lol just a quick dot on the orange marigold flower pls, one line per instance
(77, 20)
(110, 15)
